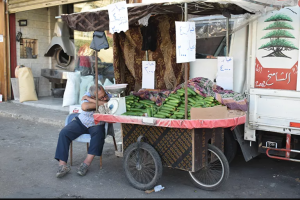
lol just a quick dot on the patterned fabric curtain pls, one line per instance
(128, 55)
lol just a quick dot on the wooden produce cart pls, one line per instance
(195, 146)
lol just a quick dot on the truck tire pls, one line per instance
(230, 145)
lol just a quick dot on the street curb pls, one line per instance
(58, 123)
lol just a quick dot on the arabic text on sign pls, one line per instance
(225, 72)
(185, 42)
(148, 74)
(118, 17)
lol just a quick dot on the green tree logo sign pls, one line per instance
(278, 36)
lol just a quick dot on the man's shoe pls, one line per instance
(62, 170)
(82, 169)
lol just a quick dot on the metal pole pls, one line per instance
(147, 57)
(227, 35)
(96, 79)
(186, 68)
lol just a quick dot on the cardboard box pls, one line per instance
(216, 112)
(75, 109)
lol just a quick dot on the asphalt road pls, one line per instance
(28, 170)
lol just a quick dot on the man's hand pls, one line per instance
(210, 56)
(84, 97)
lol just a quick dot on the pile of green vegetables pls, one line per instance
(173, 107)
(138, 107)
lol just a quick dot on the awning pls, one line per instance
(98, 20)
(23, 5)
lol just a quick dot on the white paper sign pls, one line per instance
(148, 73)
(118, 17)
(147, 120)
(225, 73)
(225, 66)
(185, 42)
(1, 38)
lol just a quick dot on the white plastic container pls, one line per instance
(75, 109)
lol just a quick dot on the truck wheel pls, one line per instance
(230, 145)
(146, 174)
(214, 173)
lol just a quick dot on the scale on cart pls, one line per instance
(116, 104)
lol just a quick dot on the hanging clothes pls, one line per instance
(128, 55)
(149, 36)
(99, 41)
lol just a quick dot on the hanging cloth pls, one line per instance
(99, 41)
(149, 36)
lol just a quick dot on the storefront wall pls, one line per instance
(40, 16)
(40, 26)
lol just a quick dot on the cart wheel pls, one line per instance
(214, 173)
(146, 174)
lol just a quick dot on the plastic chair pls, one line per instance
(83, 138)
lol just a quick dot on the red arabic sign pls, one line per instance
(275, 78)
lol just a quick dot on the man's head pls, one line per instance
(102, 96)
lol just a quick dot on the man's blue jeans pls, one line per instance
(73, 130)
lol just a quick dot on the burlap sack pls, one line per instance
(26, 85)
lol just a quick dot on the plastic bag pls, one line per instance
(71, 93)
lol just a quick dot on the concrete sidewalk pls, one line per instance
(34, 114)
(48, 116)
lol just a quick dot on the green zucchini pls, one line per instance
(173, 117)
(149, 112)
(181, 90)
(199, 97)
(129, 97)
(147, 101)
(140, 106)
(191, 91)
(191, 100)
(166, 109)
(179, 113)
(164, 113)
(180, 94)
(174, 98)
(177, 95)
(172, 104)
(180, 116)
(138, 110)
(133, 113)
(159, 116)
(129, 101)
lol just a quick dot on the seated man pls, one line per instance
(84, 123)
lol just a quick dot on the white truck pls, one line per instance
(265, 54)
